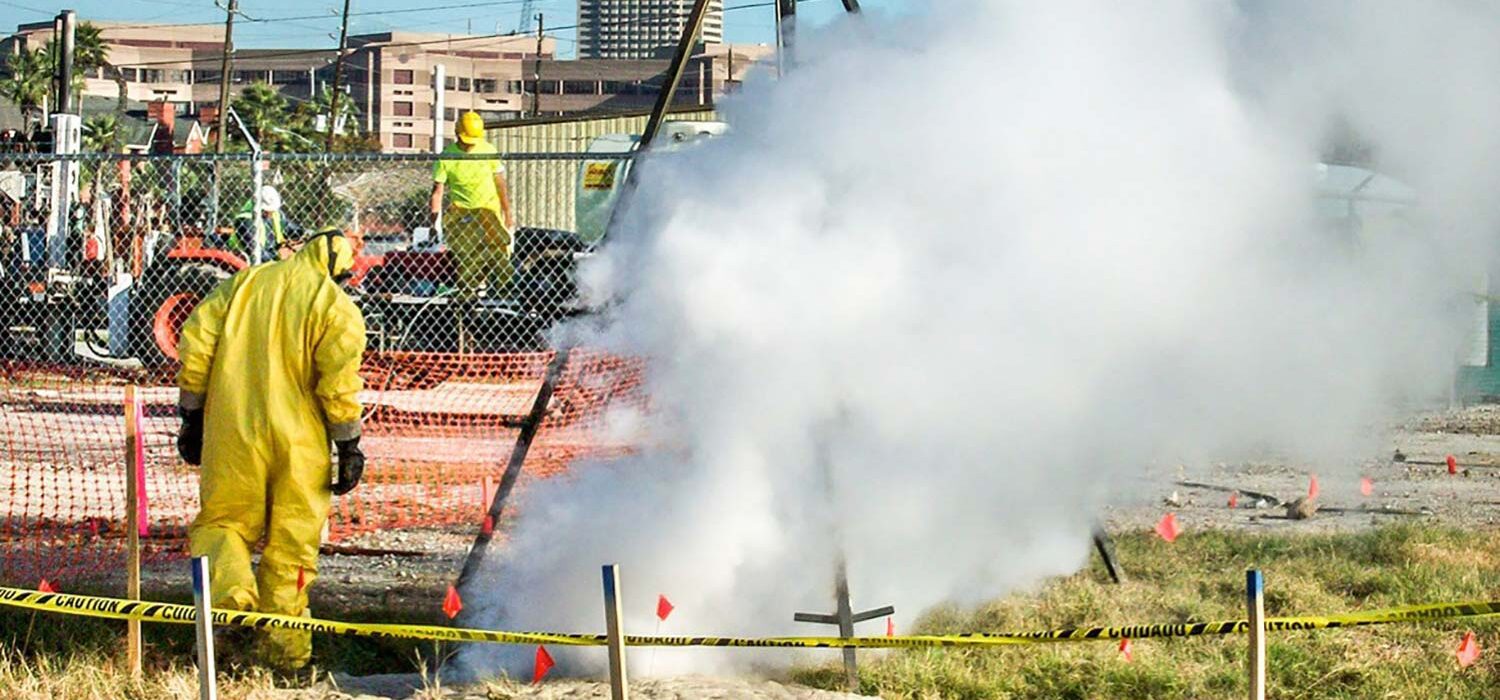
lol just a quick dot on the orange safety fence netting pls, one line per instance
(439, 430)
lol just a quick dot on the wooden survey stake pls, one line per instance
(616, 632)
(133, 468)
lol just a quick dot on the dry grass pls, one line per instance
(91, 677)
(1201, 577)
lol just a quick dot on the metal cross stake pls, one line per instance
(845, 619)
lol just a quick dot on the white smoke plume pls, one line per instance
(947, 287)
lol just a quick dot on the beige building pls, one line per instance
(181, 64)
(389, 76)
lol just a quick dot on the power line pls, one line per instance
(204, 58)
(49, 13)
(329, 15)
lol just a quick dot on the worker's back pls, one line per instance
(262, 366)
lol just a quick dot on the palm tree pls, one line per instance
(263, 109)
(347, 117)
(101, 133)
(29, 84)
(90, 52)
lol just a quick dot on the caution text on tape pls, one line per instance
(115, 608)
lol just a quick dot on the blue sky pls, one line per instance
(748, 25)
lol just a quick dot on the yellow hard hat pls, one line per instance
(471, 128)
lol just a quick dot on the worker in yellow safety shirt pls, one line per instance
(270, 374)
(479, 222)
(275, 227)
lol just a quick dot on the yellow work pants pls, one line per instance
(271, 488)
(481, 250)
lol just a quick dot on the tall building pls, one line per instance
(640, 28)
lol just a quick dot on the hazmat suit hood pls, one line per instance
(329, 251)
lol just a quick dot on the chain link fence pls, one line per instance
(146, 236)
(93, 296)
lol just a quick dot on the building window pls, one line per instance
(486, 85)
(401, 140)
(403, 77)
(579, 87)
(401, 109)
(450, 114)
(515, 87)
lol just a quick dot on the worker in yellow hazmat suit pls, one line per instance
(270, 374)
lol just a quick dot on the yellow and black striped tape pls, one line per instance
(115, 608)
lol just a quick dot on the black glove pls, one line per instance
(190, 437)
(351, 466)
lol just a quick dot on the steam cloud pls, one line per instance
(950, 284)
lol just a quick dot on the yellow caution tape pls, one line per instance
(115, 608)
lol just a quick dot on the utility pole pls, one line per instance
(56, 91)
(536, 74)
(786, 35)
(338, 74)
(225, 67)
(674, 78)
(65, 69)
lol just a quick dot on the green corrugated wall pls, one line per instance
(543, 190)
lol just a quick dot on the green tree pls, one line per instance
(90, 52)
(101, 133)
(265, 113)
(29, 83)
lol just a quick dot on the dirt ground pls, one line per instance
(1410, 480)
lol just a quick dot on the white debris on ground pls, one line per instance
(1415, 485)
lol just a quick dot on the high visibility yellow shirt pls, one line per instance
(471, 183)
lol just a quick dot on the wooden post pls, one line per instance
(133, 480)
(202, 602)
(845, 613)
(617, 687)
(518, 453)
(1255, 601)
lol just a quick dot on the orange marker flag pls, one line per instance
(1452, 464)
(1312, 488)
(1468, 651)
(544, 663)
(487, 526)
(301, 579)
(1127, 650)
(452, 603)
(664, 607)
(890, 627)
(1366, 487)
(1168, 528)
(1234, 499)
(46, 587)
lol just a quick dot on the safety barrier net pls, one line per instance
(92, 304)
